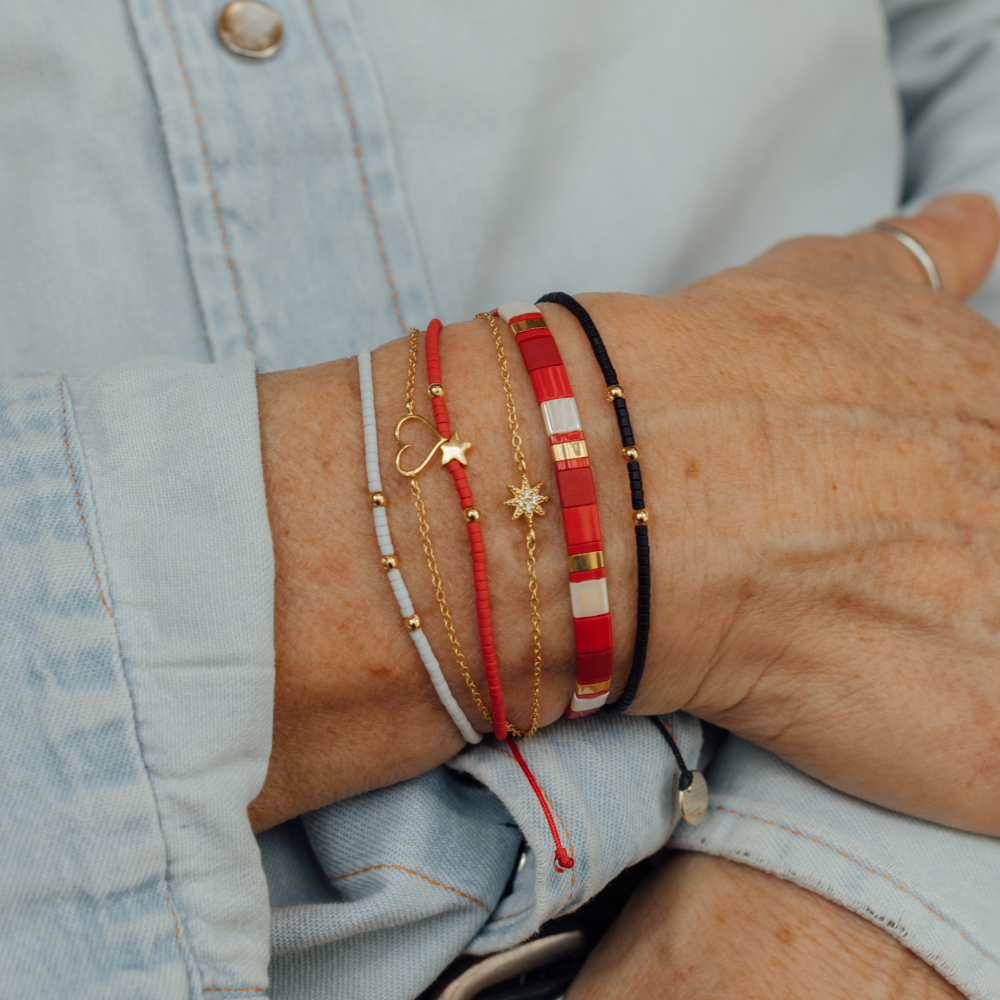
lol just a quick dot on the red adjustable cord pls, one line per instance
(563, 860)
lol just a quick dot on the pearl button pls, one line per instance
(250, 29)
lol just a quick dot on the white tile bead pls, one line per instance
(589, 598)
(560, 416)
(515, 309)
(587, 704)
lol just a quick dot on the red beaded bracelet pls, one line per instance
(457, 448)
(456, 466)
(581, 524)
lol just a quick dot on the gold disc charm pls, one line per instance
(694, 799)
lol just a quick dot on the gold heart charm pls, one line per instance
(441, 440)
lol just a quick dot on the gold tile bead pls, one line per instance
(377, 499)
(535, 323)
(569, 449)
(470, 514)
(435, 389)
(582, 689)
(389, 562)
(586, 561)
(615, 392)
(630, 454)
(640, 517)
(412, 623)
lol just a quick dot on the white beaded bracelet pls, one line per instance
(390, 562)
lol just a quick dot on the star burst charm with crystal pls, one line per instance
(526, 500)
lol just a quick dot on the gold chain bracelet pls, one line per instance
(425, 535)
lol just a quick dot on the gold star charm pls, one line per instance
(526, 500)
(454, 450)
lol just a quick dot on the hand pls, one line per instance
(821, 434)
(706, 927)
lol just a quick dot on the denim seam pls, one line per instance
(79, 507)
(209, 176)
(121, 661)
(861, 865)
(426, 878)
(359, 159)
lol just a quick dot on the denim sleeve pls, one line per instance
(937, 890)
(136, 705)
(374, 896)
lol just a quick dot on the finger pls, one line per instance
(960, 232)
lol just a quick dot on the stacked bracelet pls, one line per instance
(425, 531)
(692, 787)
(581, 524)
(640, 517)
(390, 561)
(452, 450)
(456, 466)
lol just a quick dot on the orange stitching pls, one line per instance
(208, 172)
(510, 916)
(371, 868)
(104, 601)
(359, 157)
(79, 506)
(177, 937)
(860, 864)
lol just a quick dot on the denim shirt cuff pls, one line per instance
(171, 453)
(935, 889)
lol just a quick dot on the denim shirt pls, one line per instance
(174, 218)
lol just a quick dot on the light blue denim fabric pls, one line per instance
(394, 161)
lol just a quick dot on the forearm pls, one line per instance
(354, 708)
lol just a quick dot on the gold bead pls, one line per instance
(630, 454)
(615, 392)
(640, 517)
(435, 389)
(470, 514)
(412, 623)
(389, 562)
(377, 499)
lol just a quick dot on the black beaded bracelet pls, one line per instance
(693, 790)
(640, 518)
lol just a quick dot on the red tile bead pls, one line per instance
(588, 574)
(550, 383)
(592, 668)
(540, 352)
(582, 529)
(573, 463)
(593, 634)
(576, 488)
(566, 436)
